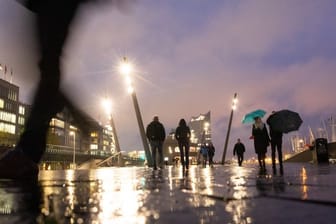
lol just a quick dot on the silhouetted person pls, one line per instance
(156, 135)
(53, 19)
(182, 135)
(211, 153)
(204, 154)
(239, 149)
(276, 145)
(261, 142)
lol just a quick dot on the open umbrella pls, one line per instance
(285, 121)
(249, 118)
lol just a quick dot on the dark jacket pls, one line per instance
(155, 131)
(182, 134)
(239, 149)
(276, 136)
(261, 139)
(211, 150)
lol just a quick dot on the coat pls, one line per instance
(276, 136)
(155, 131)
(182, 134)
(239, 149)
(261, 139)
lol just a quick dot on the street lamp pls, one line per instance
(73, 133)
(126, 70)
(234, 106)
(108, 108)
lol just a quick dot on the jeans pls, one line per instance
(240, 159)
(184, 151)
(277, 146)
(156, 145)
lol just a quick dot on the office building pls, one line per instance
(200, 128)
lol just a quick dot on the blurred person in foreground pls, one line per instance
(53, 20)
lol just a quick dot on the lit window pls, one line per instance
(21, 110)
(57, 123)
(2, 103)
(93, 146)
(94, 134)
(9, 128)
(21, 120)
(9, 117)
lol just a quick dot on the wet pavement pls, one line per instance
(222, 194)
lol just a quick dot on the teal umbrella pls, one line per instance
(249, 118)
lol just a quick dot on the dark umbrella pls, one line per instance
(285, 121)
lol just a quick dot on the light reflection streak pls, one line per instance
(304, 187)
(120, 197)
(238, 181)
(69, 176)
(238, 208)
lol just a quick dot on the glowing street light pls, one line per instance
(107, 105)
(234, 107)
(126, 69)
(73, 133)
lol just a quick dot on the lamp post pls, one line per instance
(73, 133)
(126, 70)
(234, 106)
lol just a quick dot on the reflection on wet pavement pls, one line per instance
(225, 194)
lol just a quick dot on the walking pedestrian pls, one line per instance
(261, 142)
(53, 19)
(156, 135)
(239, 149)
(276, 145)
(182, 135)
(211, 153)
(204, 154)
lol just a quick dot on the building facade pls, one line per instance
(12, 114)
(66, 135)
(200, 128)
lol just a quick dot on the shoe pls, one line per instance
(16, 165)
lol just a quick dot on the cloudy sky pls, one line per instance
(190, 57)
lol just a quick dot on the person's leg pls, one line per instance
(279, 148)
(263, 161)
(53, 20)
(273, 148)
(53, 29)
(160, 154)
(181, 154)
(260, 161)
(154, 148)
(187, 155)
(241, 158)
